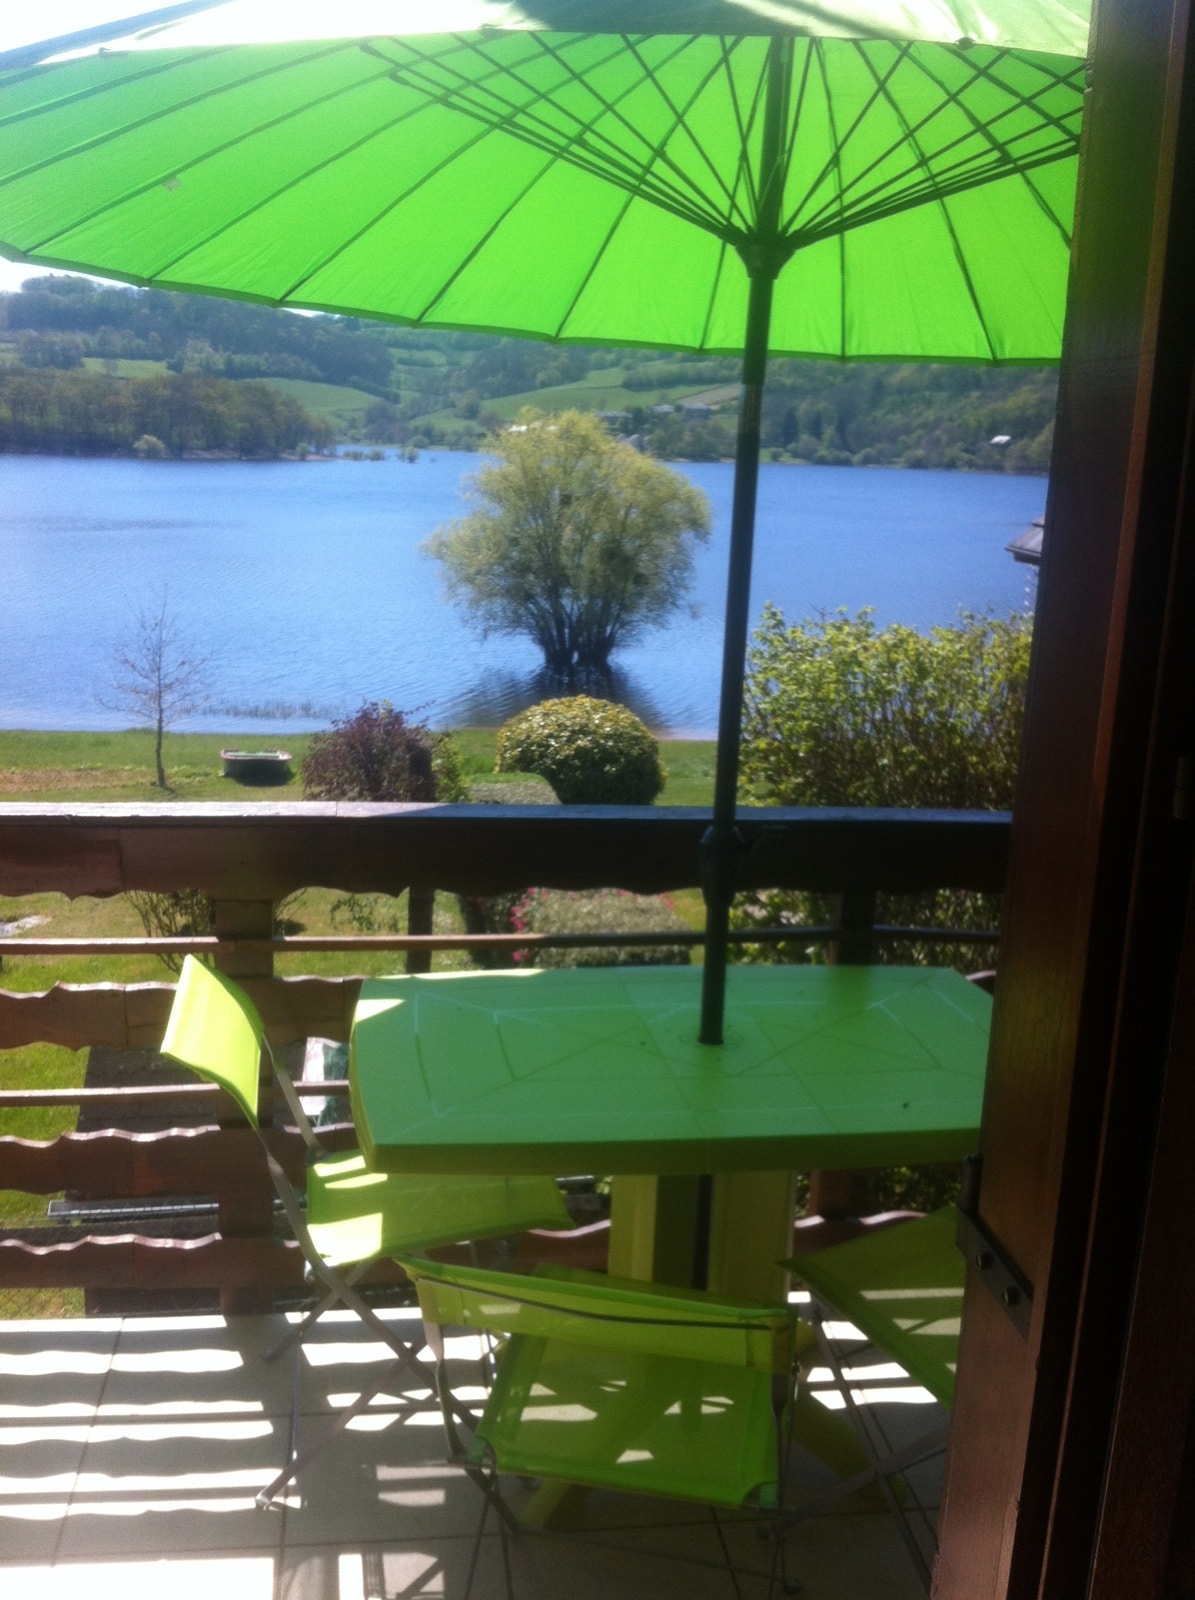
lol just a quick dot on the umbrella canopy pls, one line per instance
(881, 178)
(592, 186)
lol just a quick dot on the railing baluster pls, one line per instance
(249, 856)
(421, 908)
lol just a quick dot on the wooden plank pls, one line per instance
(264, 851)
(79, 1015)
(112, 1164)
(71, 860)
(134, 1094)
(127, 1261)
(134, 1016)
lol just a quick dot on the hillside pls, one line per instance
(376, 383)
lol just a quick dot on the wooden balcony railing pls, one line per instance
(248, 858)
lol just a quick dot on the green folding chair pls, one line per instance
(619, 1384)
(349, 1216)
(902, 1289)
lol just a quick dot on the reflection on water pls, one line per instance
(498, 696)
(308, 587)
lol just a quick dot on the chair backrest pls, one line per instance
(902, 1287)
(589, 1308)
(215, 1030)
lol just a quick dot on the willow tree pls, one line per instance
(577, 540)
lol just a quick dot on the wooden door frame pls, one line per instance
(1098, 881)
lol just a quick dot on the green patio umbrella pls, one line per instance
(858, 179)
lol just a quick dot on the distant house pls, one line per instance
(1027, 546)
(1000, 440)
(662, 411)
(695, 408)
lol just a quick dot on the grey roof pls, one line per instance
(1027, 546)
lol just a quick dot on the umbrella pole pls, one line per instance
(722, 845)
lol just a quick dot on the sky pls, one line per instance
(14, 273)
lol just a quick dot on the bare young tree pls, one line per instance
(156, 676)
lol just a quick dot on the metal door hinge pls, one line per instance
(1009, 1286)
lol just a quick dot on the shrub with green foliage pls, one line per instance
(174, 914)
(558, 911)
(380, 754)
(591, 751)
(840, 712)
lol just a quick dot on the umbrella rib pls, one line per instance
(837, 160)
(960, 258)
(956, 177)
(504, 115)
(215, 150)
(834, 159)
(723, 249)
(682, 123)
(930, 190)
(146, 68)
(588, 149)
(798, 110)
(67, 101)
(667, 196)
(590, 271)
(197, 243)
(1069, 138)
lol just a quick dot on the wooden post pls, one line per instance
(248, 1213)
(854, 912)
(421, 908)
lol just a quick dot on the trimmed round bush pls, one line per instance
(592, 752)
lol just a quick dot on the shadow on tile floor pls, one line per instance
(131, 1452)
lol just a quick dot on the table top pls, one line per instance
(599, 1070)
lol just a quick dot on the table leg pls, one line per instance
(651, 1228)
(652, 1223)
(751, 1229)
(651, 1236)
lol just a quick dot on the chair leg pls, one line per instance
(487, 1481)
(301, 1329)
(301, 1459)
(726, 1556)
(881, 1468)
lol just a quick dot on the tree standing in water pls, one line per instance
(578, 541)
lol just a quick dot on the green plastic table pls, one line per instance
(599, 1070)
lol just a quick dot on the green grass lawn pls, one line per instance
(119, 367)
(604, 392)
(333, 402)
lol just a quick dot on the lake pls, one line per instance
(305, 584)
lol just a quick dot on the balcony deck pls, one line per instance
(132, 1450)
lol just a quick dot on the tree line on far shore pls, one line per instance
(455, 389)
(83, 412)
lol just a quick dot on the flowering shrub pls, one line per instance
(591, 751)
(380, 754)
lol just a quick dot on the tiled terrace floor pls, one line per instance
(131, 1450)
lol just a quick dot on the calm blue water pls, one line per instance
(305, 583)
